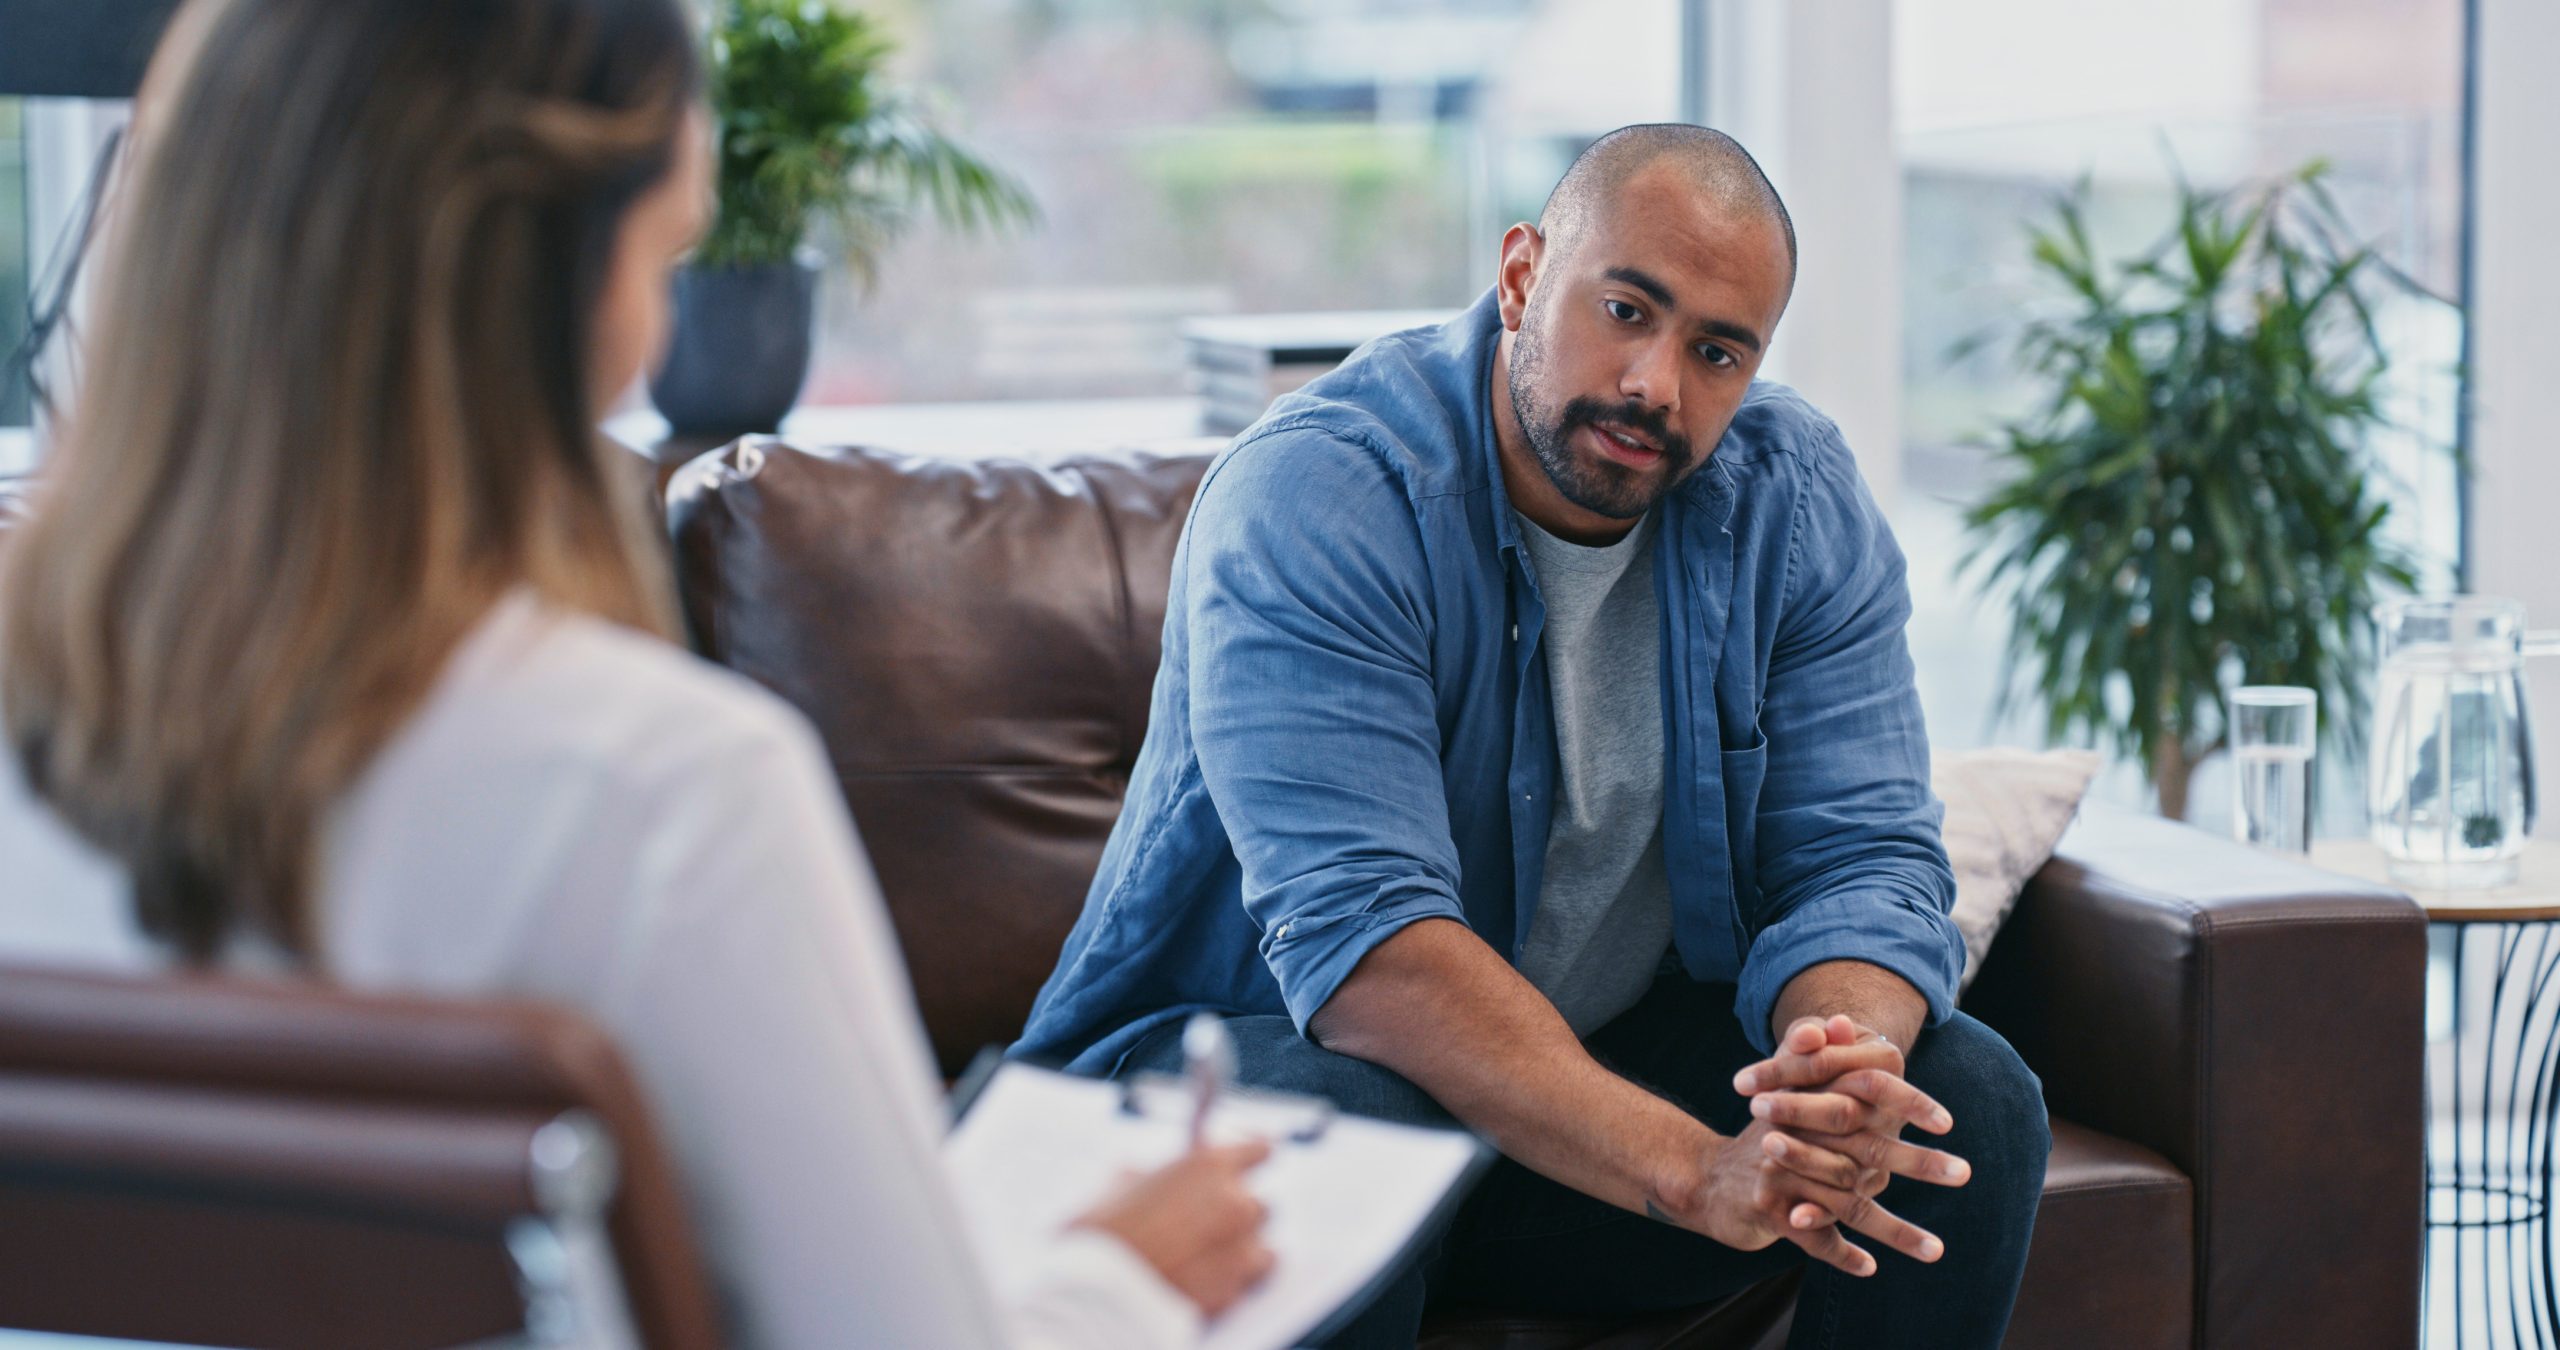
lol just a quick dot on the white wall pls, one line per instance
(1809, 90)
(2515, 514)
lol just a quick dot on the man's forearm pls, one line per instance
(1870, 995)
(1437, 1005)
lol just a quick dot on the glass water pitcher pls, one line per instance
(2451, 787)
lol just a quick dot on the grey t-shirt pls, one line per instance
(1603, 919)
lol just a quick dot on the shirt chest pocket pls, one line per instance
(1744, 771)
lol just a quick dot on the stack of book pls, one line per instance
(1241, 362)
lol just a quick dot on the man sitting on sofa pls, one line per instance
(1536, 744)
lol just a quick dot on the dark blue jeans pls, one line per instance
(1526, 1244)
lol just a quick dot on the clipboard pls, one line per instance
(1357, 1203)
(1142, 1094)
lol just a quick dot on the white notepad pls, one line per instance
(1036, 1149)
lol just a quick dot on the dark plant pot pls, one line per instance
(740, 350)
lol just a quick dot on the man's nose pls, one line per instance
(1653, 381)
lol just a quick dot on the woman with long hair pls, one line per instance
(335, 641)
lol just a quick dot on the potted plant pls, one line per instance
(2196, 500)
(814, 140)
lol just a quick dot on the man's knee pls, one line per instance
(1997, 1101)
(1354, 1085)
(1270, 1054)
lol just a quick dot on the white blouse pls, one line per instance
(583, 814)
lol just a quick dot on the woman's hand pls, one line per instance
(1195, 1222)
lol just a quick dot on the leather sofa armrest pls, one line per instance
(2261, 1024)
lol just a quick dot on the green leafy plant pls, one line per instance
(2197, 499)
(813, 135)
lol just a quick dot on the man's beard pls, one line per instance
(1602, 486)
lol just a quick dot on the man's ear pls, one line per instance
(1522, 248)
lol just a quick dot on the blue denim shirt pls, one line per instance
(1352, 731)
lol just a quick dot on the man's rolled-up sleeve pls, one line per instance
(1849, 861)
(1308, 610)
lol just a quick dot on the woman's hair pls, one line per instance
(334, 404)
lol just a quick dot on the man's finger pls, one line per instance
(1825, 1244)
(1866, 1216)
(1791, 1070)
(1828, 1165)
(1804, 1036)
(1894, 1095)
(1875, 1153)
(1818, 1112)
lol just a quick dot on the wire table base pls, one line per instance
(2492, 1151)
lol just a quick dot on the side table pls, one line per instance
(2493, 1154)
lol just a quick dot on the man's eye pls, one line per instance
(1716, 356)
(1621, 311)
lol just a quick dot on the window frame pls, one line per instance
(63, 137)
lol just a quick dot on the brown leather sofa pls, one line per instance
(2230, 1043)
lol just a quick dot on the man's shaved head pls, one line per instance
(1716, 164)
(1637, 311)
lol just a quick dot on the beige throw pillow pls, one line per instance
(2006, 809)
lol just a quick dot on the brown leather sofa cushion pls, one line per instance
(2114, 1248)
(977, 642)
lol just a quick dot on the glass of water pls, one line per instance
(2273, 729)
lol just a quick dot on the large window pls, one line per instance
(2002, 104)
(50, 152)
(1198, 157)
(14, 401)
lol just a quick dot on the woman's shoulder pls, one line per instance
(543, 681)
(561, 768)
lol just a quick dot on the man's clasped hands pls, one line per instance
(1827, 1115)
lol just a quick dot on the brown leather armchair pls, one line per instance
(220, 1162)
(214, 1161)
(2230, 1043)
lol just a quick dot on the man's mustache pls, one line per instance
(1650, 421)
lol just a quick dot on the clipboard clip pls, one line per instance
(1149, 1096)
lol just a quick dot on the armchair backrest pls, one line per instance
(220, 1161)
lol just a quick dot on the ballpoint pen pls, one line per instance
(1209, 1062)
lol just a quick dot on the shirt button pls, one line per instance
(1515, 632)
